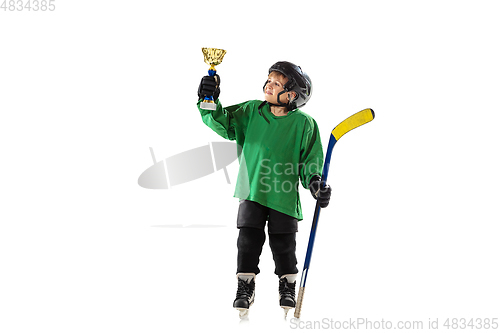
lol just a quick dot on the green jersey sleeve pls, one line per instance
(225, 121)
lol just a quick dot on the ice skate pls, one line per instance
(245, 293)
(287, 292)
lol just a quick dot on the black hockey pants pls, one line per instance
(281, 230)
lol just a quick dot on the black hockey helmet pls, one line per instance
(298, 82)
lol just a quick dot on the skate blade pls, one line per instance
(243, 313)
(286, 309)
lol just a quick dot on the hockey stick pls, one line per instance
(356, 120)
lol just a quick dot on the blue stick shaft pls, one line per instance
(317, 210)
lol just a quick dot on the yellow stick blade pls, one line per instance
(356, 120)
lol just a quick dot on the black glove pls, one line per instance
(209, 86)
(320, 192)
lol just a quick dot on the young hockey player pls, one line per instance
(280, 148)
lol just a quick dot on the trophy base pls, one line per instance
(208, 106)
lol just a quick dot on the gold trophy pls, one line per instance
(213, 57)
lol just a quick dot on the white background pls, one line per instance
(413, 225)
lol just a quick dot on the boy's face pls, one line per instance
(274, 86)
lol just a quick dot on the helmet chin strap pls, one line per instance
(278, 98)
(280, 103)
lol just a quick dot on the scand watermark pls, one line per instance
(203, 161)
(277, 185)
(383, 324)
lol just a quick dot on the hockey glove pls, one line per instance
(320, 192)
(209, 86)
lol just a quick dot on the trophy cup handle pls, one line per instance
(209, 103)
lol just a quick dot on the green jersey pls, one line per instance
(276, 153)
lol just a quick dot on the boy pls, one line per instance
(280, 147)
